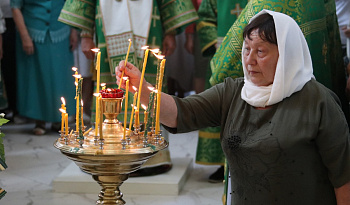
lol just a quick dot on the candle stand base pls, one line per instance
(112, 159)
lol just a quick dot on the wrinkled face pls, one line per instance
(260, 59)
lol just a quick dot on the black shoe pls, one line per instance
(218, 175)
(151, 171)
(56, 126)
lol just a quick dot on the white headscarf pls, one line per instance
(294, 65)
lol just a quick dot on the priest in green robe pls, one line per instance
(215, 19)
(112, 23)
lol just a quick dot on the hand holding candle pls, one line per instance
(126, 60)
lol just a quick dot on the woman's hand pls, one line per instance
(131, 72)
(189, 44)
(28, 45)
(86, 45)
(346, 31)
(73, 39)
(169, 44)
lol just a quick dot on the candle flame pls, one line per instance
(103, 84)
(156, 91)
(156, 50)
(160, 57)
(129, 39)
(96, 94)
(144, 106)
(82, 104)
(95, 50)
(74, 68)
(77, 76)
(134, 88)
(151, 88)
(62, 110)
(63, 101)
(125, 78)
(144, 47)
(108, 89)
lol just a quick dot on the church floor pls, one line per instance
(33, 163)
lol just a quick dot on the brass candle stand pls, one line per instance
(109, 157)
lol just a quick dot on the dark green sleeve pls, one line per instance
(333, 140)
(176, 15)
(206, 109)
(79, 14)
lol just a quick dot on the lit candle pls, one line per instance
(76, 76)
(63, 106)
(103, 85)
(148, 111)
(126, 106)
(132, 110)
(66, 122)
(145, 115)
(141, 81)
(161, 73)
(98, 66)
(80, 83)
(77, 98)
(63, 113)
(126, 60)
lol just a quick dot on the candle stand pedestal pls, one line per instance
(111, 162)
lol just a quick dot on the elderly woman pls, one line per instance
(283, 133)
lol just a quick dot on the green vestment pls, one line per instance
(216, 18)
(168, 16)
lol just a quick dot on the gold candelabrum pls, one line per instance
(110, 156)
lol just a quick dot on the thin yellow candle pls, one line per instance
(76, 75)
(66, 123)
(161, 73)
(140, 86)
(87, 132)
(126, 107)
(77, 119)
(63, 106)
(132, 110)
(97, 115)
(126, 60)
(145, 115)
(100, 120)
(137, 117)
(98, 66)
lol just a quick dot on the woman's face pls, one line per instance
(260, 59)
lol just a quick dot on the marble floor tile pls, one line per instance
(33, 163)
